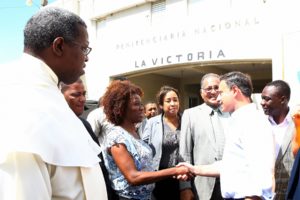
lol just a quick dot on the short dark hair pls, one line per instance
(116, 98)
(239, 79)
(282, 87)
(149, 102)
(63, 86)
(48, 24)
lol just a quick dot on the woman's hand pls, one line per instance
(191, 168)
(183, 172)
(211, 170)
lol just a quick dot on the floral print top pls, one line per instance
(142, 156)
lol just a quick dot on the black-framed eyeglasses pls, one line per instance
(85, 50)
(211, 88)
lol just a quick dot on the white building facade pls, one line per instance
(175, 42)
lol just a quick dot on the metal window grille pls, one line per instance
(158, 7)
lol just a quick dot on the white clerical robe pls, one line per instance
(45, 151)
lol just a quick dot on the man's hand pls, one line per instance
(191, 168)
(183, 173)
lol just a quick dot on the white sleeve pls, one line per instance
(24, 176)
(94, 118)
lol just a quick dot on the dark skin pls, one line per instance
(64, 58)
(274, 104)
(150, 110)
(75, 96)
(123, 159)
(126, 165)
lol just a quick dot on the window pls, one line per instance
(158, 9)
(193, 101)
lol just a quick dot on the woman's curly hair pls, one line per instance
(116, 99)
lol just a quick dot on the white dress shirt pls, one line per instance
(279, 131)
(248, 160)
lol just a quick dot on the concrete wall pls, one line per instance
(128, 38)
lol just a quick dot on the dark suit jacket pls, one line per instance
(89, 129)
(284, 164)
(110, 192)
(293, 191)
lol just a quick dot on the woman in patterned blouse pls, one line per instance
(128, 158)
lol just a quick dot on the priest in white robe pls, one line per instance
(45, 151)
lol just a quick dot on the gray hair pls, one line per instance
(48, 24)
(208, 76)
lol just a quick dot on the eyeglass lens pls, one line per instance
(209, 89)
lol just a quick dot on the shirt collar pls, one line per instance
(240, 112)
(210, 110)
(287, 120)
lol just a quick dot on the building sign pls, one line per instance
(192, 39)
(190, 42)
(189, 31)
(181, 58)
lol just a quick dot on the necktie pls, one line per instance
(218, 132)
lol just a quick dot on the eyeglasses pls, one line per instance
(85, 50)
(210, 89)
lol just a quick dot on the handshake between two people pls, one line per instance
(186, 171)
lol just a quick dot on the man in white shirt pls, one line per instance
(246, 170)
(275, 98)
(45, 150)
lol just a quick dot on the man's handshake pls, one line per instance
(211, 170)
(185, 171)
